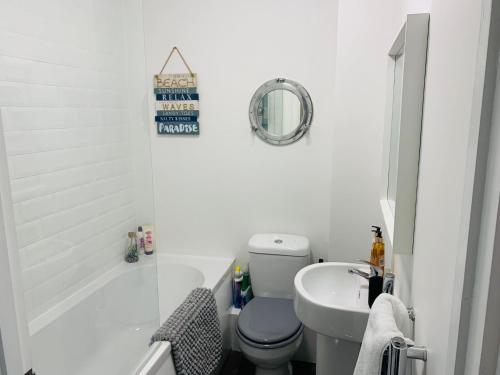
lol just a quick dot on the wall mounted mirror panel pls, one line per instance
(405, 96)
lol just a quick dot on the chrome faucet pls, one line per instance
(374, 270)
(388, 282)
(355, 271)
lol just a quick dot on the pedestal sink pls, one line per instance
(333, 303)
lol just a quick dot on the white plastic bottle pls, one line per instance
(148, 240)
(140, 240)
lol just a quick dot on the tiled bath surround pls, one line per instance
(66, 115)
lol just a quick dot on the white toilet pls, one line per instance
(268, 330)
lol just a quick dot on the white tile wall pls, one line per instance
(65, 112)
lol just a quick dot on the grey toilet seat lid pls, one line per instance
(268, 320)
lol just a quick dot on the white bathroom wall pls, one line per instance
(365, 33)
(65, 110)
(214, 191)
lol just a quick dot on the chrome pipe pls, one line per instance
(388, 285)
(417, 352)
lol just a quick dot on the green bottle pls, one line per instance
(246, 289)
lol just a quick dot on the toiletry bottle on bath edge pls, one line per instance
(246, 288)
(140, 240)
(238, 279)
(131, 253)
(148, 239)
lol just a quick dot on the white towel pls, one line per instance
(388, 318)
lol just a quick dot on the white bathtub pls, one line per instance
(105, 327)
(177, 276)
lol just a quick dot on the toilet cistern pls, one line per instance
(268, 330)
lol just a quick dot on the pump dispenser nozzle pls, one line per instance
(377, 231)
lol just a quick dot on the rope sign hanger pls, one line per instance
(175, 49)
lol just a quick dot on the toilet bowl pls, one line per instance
(268, 331)
(269, 334)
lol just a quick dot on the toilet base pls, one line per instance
(274, 361)
(286, 369)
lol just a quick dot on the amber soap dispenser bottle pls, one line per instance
(374, 254)
(377, 256)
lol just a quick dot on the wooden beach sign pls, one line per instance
(177, 101)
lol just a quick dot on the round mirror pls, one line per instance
(281, 111)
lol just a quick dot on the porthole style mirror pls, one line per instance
(281, 112)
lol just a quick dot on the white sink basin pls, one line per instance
(331, 301)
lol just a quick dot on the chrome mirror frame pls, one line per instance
(305, 121)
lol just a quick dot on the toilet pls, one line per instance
(269, 332)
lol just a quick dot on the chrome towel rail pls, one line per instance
(399, 352)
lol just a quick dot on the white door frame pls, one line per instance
(13, 322)
(472, 208)
(484, 330)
